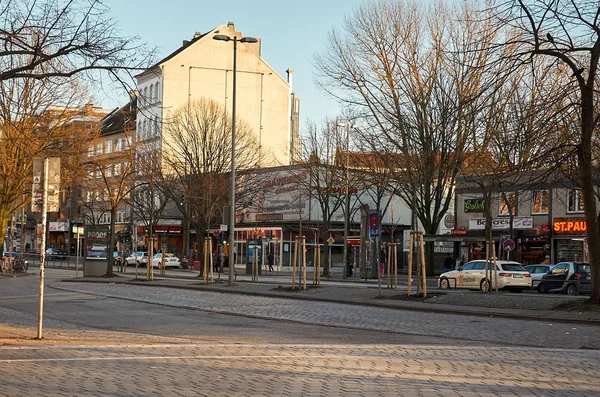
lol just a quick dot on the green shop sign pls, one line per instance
(474, 205)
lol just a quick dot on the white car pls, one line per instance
(170, 260)
(139, 257)
(511, 276)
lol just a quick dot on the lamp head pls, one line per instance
(221, 37)
(248, 40)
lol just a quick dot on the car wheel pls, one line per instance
(444, 283)
(485, 285)
(543, 288)
(572, 290)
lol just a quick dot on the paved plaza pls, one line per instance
(297, 370)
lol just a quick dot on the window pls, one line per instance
(91, 151)
(89, 196)
(145, 96)
(507, 203)
(109, 170)
(574, 201)
(145, 130)
(469, 266)
(156, 93)
(117, 169)
(118, 145)
(156, 126)
(120, 217)
(108, 147)
(151, 95)
(98, 148)
(539, 201)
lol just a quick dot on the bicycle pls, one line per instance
(14, 265)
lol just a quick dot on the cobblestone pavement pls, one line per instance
(297, 370)
(479, 330)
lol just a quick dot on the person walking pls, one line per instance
(271, 260)
(448, 263)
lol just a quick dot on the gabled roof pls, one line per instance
(120, 119)
(186, 44)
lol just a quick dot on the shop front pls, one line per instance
(569, 241)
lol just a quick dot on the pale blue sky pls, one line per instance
(291, 33)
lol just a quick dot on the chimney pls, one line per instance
(231, 25)
(186, 42)
(197, 34)
(87, 109)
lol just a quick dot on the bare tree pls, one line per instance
(414, 74)
(44, 45)
(568, 33)
(324, 184)
(32, 125)
(111, 177)
(62, 38)
(197, 156)
(148, 200)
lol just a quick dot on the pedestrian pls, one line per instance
(458, 263)
(448, 263)
(271, 260)
(547, 260)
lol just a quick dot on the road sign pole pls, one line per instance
(43, 250)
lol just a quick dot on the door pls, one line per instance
(465, 276)
(557, 276)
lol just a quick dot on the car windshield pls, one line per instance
(513, 268)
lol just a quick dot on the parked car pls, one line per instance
(572, 278)
(537, 272)
(170, 260)
(511, 276)
(55, 253)
(139, 258)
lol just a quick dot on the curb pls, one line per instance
(409, 307)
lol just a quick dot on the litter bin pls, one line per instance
(197, 265)
(249, 268)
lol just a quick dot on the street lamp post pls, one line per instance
(347, 201)
(222, 37)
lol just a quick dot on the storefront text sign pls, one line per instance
(570, 226)
(522, 222)
(474, 205)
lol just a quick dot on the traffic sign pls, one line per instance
(508, 245)
(374, 229)
(223, 227)
(330, 240)
(216, 232)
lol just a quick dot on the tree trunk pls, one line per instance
(587, 187)
(4, 223)
(111, 243)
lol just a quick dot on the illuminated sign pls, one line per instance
(475, 205)
(569, 226)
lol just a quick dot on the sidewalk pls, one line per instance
(527, 306)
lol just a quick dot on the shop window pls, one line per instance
(507, 203)
(574, 201)
(540, 201)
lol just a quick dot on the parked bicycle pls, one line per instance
(12, 265)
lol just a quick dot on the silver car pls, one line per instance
(537, 272)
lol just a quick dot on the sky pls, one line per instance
(291, 32)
